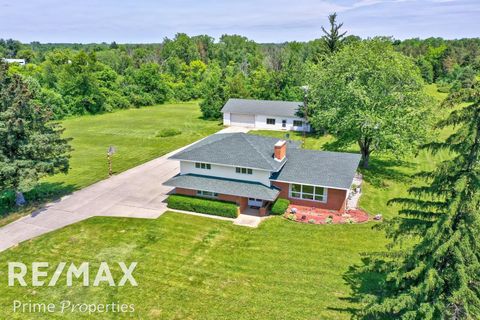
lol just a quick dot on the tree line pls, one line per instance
(369, 92)
(77, 79)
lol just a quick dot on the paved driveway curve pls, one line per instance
(135, 193)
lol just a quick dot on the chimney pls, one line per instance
(280, 150)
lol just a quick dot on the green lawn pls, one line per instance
(134, 133)
(388, 176)
(199, 268)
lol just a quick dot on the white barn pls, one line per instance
(264, 114)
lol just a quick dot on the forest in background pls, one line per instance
(75, 79)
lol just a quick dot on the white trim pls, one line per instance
(227, 165)
(213, 196)
(325, 193)
(308, 184)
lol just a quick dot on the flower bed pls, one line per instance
(322, 216)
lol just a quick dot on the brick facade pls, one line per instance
(336, 198)
(240, 201)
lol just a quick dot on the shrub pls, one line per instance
(169, 132)
(280, 206)
(291, 217)
(312, 221)
(329, 220)
(208, 206)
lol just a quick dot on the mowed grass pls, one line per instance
(389, 176)
(135, 133)
(198, 268)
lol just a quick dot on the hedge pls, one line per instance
(201, 205)
(280, 206)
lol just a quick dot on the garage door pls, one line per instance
(243, 120)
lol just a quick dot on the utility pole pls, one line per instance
(305, 115)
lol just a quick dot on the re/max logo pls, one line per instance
(17, 273)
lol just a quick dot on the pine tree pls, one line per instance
(333, 38)
(439, 276)
(31, 145)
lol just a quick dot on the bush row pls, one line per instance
(280, 206)
(208, 206)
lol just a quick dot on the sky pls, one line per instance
(148, 21)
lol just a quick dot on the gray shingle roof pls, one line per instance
(235, 149)
(263, 107)
(224, 186)
(322, 168)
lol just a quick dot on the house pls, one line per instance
(21, 62)
(264, 114)
(254, 171)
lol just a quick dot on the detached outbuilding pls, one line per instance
(264, 114)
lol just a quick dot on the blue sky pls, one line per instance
(261, 20)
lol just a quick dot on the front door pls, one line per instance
(255, 202)
(284, 123)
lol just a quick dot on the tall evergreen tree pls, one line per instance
(31, 145)
(439, 276)
(333, 38)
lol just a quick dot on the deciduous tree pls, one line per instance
(371, 95)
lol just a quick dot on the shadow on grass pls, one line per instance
(383, 170)
(43, 192)
(363, 282)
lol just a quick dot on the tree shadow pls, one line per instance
(42, 193)
(363, 281)
(386, 169)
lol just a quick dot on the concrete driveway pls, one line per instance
(135, 193)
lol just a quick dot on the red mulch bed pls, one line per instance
(322, 216)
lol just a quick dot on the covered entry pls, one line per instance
(243, 120)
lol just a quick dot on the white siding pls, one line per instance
(226, 172)
(226, 119)
(261, 123)
(242, 120)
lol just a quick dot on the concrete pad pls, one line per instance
(133, 212)
(245, 220)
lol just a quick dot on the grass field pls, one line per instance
(136, 135)
(388, 176)
(198, 268)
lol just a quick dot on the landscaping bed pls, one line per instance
(322, 216)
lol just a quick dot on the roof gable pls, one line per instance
(320, 168)
(235, 149)
(262, 107)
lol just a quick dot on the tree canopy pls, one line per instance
(371, 95)
(32, 146)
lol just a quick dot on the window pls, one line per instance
(207, 194)
(243, 170)
(307, 192)
(201, 165)
(297, 123)
(271, 121)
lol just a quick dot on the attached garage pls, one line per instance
(242, 120)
